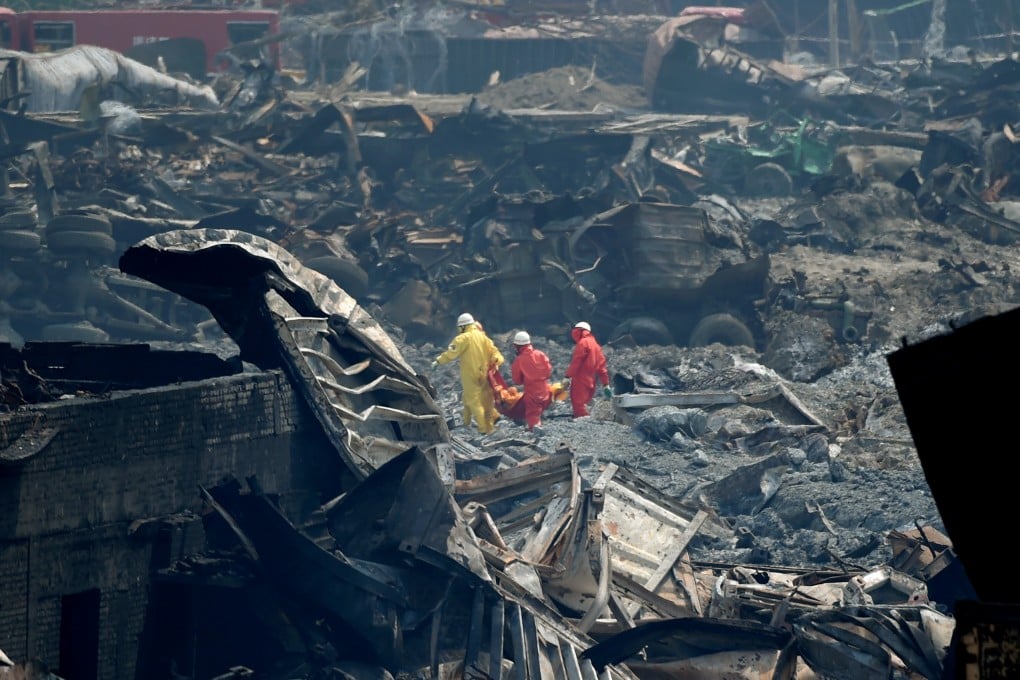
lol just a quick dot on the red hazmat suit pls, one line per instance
(587, 364)
(532, 369)
(510, 400)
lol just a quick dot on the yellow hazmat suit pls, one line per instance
(476, 352)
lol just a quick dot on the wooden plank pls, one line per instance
(799, 405)
(620, 611)
(659, 504)
(660, 573)
(246, 542)
(859, 136)
(515, 480)
(633, 498)
(496, 556)
(654, 601)
(525, 510)
(255, 158)
(599, 487)
(518, 488)
(552, 525)
(576, 484)
(685, 575)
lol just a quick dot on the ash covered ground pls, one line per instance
(836, 497)
(805, 497)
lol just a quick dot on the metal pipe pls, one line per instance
(850, 333)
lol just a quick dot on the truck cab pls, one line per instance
(8, 29)
(212, 31)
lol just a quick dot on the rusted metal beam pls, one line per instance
(517, 640)
(474, 640)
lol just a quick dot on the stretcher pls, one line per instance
(510, 400)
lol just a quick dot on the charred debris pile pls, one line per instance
(300, 223)
(437, 558)
(423, 205)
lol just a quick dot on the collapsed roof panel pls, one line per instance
(367, 398)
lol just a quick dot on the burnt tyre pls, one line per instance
(84, 223)
(724, 329)
(17, 241)
(348, 275)
(86, 242)
(644, 330)
(768, 179)
(17, 219)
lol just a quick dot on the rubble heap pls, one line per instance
(749, 247)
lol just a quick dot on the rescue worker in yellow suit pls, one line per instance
(490, 404)
(476, 353)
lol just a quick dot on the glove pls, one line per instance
(434, 364)
(607, 392)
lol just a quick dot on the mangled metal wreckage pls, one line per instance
(440, 559)
(71, 80)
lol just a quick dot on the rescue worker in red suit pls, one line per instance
(476, 353)
(587, 366)
(531, 369)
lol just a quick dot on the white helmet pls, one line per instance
(522, 338)
(583, 324)
(465, 319)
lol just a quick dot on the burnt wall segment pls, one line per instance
(114, 495)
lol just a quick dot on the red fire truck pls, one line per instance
(211, 30)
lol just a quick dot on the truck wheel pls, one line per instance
(348, 275)
(645, 330)
(725, 329)
(768, 179)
